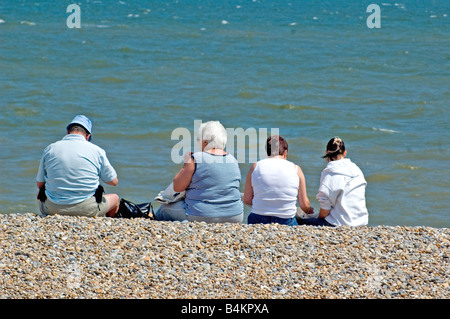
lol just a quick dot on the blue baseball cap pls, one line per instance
(84, 122)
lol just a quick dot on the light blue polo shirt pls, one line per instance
(72, 168)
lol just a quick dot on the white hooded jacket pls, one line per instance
(342, 190)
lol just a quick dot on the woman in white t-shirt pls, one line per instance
(341, 192)
(274, 185)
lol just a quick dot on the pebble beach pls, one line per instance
(65, 257)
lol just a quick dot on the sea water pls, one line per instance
(311, 69)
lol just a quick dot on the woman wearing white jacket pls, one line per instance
(341, 192)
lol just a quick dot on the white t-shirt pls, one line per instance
(342, 190)
(275, 188)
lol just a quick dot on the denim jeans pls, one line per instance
(237, 219)
(176, 212)
(260, 219)
(171, 212)
(314, 222)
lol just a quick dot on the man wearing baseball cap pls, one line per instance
(69, 175)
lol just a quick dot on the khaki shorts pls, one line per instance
(89, 208)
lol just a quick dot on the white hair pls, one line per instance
(214, 133)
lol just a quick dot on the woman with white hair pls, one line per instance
(211, 180)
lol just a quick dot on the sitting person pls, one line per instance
(341, 191)
(274, 185)
(210, 180)
(69, 175)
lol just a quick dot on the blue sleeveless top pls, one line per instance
(214, 188)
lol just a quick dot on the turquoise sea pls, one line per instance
(312, 69)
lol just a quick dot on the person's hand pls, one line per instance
(310, 210)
